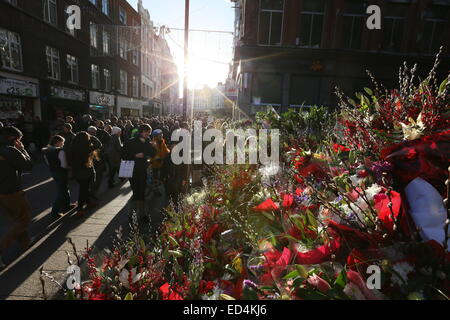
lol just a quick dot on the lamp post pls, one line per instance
(186, 57)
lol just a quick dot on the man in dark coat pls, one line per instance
(14, 159)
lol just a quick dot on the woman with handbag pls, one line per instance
(81, 159)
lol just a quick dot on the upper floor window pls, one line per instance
(10, 50)
(271, 22)
(72, 66)
(94, 2)
(106, 42)
(311, 23)
(136, 57)
(95, 76)
(105, 7)
(135, 86)
(13, 2)
(433, 30)
(50, 11)
(123, 82)
(53, 63)
(123, 48)
(108, 80)
(353, 24)
(94, 36)
(122, 15)
(394, 26)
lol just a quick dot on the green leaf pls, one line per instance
(176, 253)
(129, 296)
(301, 271)
(341, 280)
(291, 275)
(224, 296)
(443, 85)
(173, 241)
(369, 91)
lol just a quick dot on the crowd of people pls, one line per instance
(90, 152)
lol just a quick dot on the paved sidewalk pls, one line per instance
(21, 279)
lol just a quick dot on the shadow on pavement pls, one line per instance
(12, 278)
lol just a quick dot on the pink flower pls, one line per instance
(316, 281)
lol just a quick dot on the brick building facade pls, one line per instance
(290, 53)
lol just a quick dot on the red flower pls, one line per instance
(210, 233)
(267, 205)
(338, 148)
(168, 293)
(288, 200)
(385, 213)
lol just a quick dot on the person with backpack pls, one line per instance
(56, 158)
(14, 159)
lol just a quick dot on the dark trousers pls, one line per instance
(19, 212)
(139, 184)
(85, 193)
(62, 200)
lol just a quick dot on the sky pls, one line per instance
(210, 53)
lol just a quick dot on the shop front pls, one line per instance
(19, 101)
(64, 101)
(130, 107)
(101, 105)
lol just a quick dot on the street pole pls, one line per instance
(186, 57)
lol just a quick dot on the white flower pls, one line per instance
(353, 292)
(227, 277)
(125, 274)
(215, 295)
(270, 169)
(373, 191)
(356, 181)
(402, 270)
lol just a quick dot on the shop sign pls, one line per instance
(18, 88)
(67, 93)
(101, 99)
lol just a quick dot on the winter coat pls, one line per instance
(12, 163)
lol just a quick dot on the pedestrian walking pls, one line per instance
(14, 159)
(139, 150)
(56, 159)
(114, 151)
(81, 159)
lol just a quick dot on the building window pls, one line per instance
(93, 28)
(13, 2)
(10, 50)
(123, 82)
(267, 88)
(108, 80)
(353, 24)
(50, 11)
(53, 68)
(271, 22)
(105, 7)
(304, 90)
(135, 87)
(136, 57)
(95, 71)
(433, 30)
(123, 48)
(122, 15)
(106, 42)
(72, 66)
(311, 23)
(93, 2)
(394, 26)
